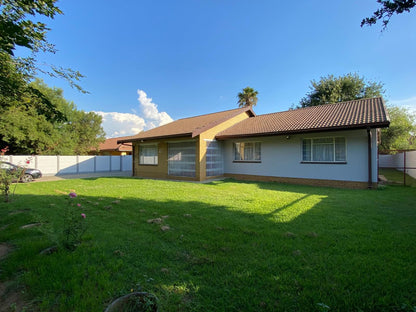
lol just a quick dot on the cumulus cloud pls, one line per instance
(125, 124)
(121, 124)
(151, 113)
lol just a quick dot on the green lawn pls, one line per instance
(396, 177)
(230, 246)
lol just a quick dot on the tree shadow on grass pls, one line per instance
(219, 257)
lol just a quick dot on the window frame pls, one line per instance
(334, 150)
(155, 157)
(254, 160)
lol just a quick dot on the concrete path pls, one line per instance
(85, 175)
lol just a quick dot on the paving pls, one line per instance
(84, 175)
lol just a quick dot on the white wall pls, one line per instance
(281, 157)
(397, 162)
(57, 165)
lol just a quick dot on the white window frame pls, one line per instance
(240, 146)
(152, 160)
(311, 153)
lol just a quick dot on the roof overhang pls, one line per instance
(309, 130)
(180, 135)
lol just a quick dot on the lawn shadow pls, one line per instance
(222, 255)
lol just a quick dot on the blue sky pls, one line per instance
(192, 57)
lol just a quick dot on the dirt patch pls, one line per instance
(12, 300)
(4, 250)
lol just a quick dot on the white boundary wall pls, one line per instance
(397, 162)
(58, 165)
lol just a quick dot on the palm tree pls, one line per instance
(247, 98)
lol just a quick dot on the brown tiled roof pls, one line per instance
(112, 145)
(191, 126)
(344, 115)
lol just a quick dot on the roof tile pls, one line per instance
(191, 126)
(112, 145)
(352, 114)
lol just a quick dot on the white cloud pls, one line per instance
(409, 103)
(121, 124)
(150, 111)
(124, 124)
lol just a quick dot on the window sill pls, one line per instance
(324, 162)
(148, 164)
(247, 161)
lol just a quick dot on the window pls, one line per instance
(214, 161)
(148, 155)
(247, 151)
(324, 150)
(181, 159)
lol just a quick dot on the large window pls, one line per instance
(181, 159)
(148, 154)
(247, 151)
(214, 161)
(324, 150)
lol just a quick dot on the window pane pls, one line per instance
(181, 159)
(249, 151)
(214, 163)
(237, 154)
(306, 150)
(148, 155)
(257, 155)
(340, 150)
(323, 149)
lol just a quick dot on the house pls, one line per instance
(110, 147)
(328, 145)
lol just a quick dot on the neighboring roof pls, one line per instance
(355, 114)
(191, 126)
(112, 145)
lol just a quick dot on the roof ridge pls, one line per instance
(228, 110)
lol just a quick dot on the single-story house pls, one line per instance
(110, 147)
(328, 145)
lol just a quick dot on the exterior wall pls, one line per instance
(210, 135)
(282, 158)
(160, 171)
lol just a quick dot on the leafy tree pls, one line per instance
(18, 28)
(332, 89)
(387, 10)
(401, 131)
(247, 98)
(81, 130)
(41, 121)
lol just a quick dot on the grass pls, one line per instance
(396, 177)
(230, 246)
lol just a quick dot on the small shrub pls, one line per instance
(74, 224)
